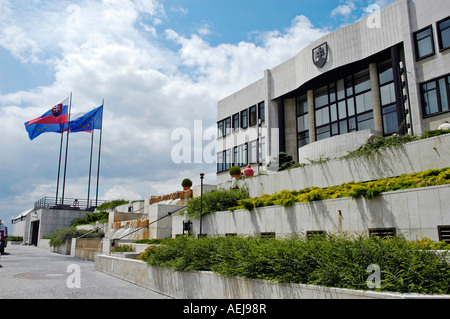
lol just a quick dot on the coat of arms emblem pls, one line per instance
(320, 55)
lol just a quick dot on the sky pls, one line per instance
(161, 66)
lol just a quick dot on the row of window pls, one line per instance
(243, 119)
(346, 106)
(424, 39)
(241, 155)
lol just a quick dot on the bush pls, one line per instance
(112, 204)
(186, 183)
(215, 201)
(319, 260)
(91, 218)
(63, 234)
(235, 170)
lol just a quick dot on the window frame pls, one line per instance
(439, 33)
(416, 40)
(438, 95)
(252, 116)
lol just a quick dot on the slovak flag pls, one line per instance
(55, 120)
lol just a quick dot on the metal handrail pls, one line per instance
(68, 203)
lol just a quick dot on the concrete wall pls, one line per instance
(333, 147)
(414, 213)
(207, 285)
(412, 157)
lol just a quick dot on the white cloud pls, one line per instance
(345, 9)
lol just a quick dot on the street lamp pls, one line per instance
(202, 176)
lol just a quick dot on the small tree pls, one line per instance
(186, 183)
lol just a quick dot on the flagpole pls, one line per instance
(67, 149)
(59, 165)
(99, 153)
(90, 169)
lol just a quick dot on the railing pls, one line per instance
(69, 203)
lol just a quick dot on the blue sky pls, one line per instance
(160, 65)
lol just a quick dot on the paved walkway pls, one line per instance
(28, 272)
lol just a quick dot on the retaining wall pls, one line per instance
(409, 158)
(207, 285)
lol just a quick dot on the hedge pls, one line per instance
(319, 260)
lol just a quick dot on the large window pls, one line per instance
(343, 106)
(435, 96)
(424, 43)
(240, 155)
(302, 121)
(443, 28)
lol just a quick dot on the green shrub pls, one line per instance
(91, 218)
(368, 190)
(215, 201)
(112, 204)
(319, 260)
(186, 183)
(235, 170)
(63, 234)
(123, 249)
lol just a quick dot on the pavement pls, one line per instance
(28, 272)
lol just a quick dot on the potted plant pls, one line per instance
(235, 171)
(186, 183)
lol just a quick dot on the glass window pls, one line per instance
(220, 129)
(321, 97)
(364, 102)
(340, 89)
(430, 100)
(303, 139)
(220, 162)
(387, 94)
(236, 161)
(443, 95)
(303, 123)
(444, 34)
(322, 116)
(262, 111)
(333, 110)
(390, 121)
(351, 107)
(424, 43)
(365, 121)
(253, 152)
(236, 121)
(252, 118)
(244, 119)
(342, 107)
(228, 126)
(302, 105)
(343, 127)
(263, 149)
(386, 74)
(227, 155)
(362, 81)
(323, 133)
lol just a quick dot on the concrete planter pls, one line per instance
(207, 285)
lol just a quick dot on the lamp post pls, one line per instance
(202, 176)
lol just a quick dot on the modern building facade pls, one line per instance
(386, 74)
